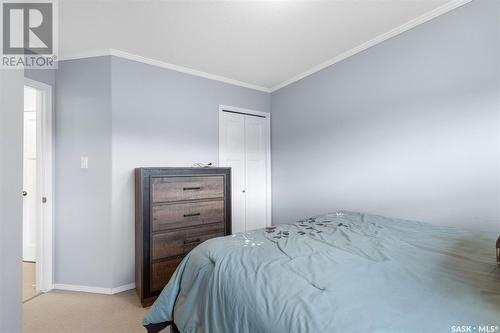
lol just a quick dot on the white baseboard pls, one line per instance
(122, 288)
(95, 290)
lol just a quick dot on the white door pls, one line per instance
(243, 147)
(29, 175)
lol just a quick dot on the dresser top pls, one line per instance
(185, 168)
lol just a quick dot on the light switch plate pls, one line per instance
(84, 162)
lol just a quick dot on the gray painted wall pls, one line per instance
(47, 76)
(161, 118)
(11, 182)
(83, 197)
(408, 128)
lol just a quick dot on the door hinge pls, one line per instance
(44, 199)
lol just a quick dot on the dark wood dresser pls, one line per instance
(175, 210)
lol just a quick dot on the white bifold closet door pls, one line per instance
(242, 141)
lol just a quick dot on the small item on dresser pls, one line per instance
(202, 165)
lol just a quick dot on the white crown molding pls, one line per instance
(186, 70)
(95, 290)
(83, 55)
(162, 64)
(394, 32)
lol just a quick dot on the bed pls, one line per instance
(340, 272)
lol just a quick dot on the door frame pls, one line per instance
(45, 188)
(267, 116)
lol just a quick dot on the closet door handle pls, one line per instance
(191, 188)
(194, 214)
(192, 241)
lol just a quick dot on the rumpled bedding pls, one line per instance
(340, 272)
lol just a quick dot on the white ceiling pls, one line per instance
(261, 43)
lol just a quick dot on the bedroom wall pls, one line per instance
(83, 197)
(122, 114)
(161, 118)
(11, 183)
(409, 128)
(47, 76)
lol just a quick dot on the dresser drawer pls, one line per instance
(180, 242)
(168, 189)
(161, 273)
(168, 216)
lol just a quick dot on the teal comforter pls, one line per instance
(342, 272)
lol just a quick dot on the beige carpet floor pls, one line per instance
(67, 311)
(29, 280)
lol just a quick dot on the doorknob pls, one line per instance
(244, 191)
(25, 193)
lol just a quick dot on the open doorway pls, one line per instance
(37, 189)
(30, 223)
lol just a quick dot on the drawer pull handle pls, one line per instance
(191, 188)
(194, 214)
(192, 241)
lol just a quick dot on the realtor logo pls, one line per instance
(27, 28)
(28, 34)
